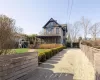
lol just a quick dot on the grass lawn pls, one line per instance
(41, 50)
(21, 50)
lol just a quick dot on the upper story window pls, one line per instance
(57, 30)
(52, 24)
(49, 30)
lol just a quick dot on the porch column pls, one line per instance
(55, 40)
(41, 40)
(46, 40)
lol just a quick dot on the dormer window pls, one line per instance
(57, 30)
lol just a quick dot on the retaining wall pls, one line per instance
(93, 55)
(18, 66)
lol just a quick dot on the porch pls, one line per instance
(49, 39)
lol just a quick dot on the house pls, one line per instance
(53, 32)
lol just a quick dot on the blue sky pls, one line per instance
(31, 15)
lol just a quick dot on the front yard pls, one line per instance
(41, 50)
(43, 54)
(23, 50)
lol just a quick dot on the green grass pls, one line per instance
(21, 50)
(41, 50)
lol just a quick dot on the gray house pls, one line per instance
(53, 32)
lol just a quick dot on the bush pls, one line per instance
(95, 44)
(41, 57)
(88, 43)
(98, 47)
(49, 53)
(49, 46)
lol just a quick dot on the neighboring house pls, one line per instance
(53, 32)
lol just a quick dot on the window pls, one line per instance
(57, 30)
(46, 31)
(52, 24)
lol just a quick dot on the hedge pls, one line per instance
(49, 53)
(49, 46)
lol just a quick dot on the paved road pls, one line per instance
(69, 64)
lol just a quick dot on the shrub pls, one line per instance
(49, 53)
(95, 44)
(41, 57)
(91, 43)
(98, 47)
(49, 46)
(88, 43)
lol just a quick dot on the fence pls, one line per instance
(18, 66)
(93, 55)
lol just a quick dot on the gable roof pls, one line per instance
(63, 26)
(51, 20)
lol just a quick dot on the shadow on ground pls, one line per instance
(44, 72)
(55, 59)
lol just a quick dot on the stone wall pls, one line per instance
(93, 55)
(18, 66)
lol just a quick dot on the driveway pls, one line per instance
(69, 64)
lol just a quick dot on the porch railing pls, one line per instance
(49, 34)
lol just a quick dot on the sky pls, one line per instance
(32, 15)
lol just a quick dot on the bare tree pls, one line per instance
(73, 31)
(7, 34)
(95, 30)
(19, 30)
(76, 29)
(85, 24)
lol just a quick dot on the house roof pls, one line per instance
(63, 26)
(52, 20)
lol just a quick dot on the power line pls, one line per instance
(70, 10)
